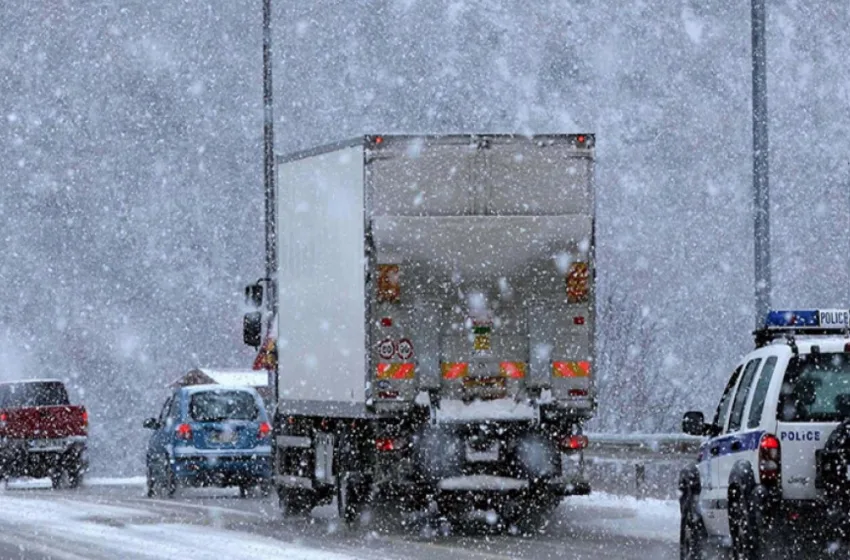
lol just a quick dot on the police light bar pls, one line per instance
(809, 319)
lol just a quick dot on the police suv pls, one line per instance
(772, 477)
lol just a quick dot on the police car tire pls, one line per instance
(692, 533)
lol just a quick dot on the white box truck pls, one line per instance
(434, 323)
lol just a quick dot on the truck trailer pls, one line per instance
(433, 320)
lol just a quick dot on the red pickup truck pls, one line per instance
(41, 433)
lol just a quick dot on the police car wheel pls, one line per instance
(742, 529)
(692, 533)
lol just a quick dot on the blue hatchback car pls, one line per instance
(209, 435)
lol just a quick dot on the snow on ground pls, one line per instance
(43, 483)
(624, 515)
(77, 527)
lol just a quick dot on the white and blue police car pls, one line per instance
(772, 479)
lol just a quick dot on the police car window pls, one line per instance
(726, 400)
(761, 392)
(741, 395)
(816, 388)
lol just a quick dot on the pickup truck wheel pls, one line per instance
(75, 479)
(56, 478)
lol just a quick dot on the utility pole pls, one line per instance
(761, 190)
(269, 180)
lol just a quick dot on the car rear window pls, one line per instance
(816, 388)
(42, 393)
(215, 406)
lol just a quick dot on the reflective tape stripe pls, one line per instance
(571, 369)
(395, 371)
(514, 370)
(454, 370)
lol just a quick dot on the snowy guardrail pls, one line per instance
(658, 446)
(639, 464)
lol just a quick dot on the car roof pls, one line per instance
(826, 344)
(212, 387)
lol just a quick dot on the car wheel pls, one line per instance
(744, 528)
(692, 533)
(171, 483)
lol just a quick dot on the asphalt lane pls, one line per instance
(585, 532)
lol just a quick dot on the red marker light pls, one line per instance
(385, 444)
(574, 443)
(386, 321)
(379, 139)
(581, 138)
(578, 320)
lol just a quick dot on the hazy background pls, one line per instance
(131, 171)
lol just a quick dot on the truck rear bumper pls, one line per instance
(38, 458)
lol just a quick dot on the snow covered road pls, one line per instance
(112, 519)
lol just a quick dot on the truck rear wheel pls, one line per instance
(294, 502)
(351, 498)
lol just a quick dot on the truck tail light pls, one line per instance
(85, 418)
(264, 430)
(573, 443)
(385, 444)
(184, 432)
(770, 455)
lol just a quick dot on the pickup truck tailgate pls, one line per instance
(43, 422)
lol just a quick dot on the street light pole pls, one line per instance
(761, 191)
(269, 180)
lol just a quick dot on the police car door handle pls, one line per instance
(736, 445)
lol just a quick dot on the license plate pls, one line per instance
(46, 443)
(491, 454)
(484, 382)
(224, 437)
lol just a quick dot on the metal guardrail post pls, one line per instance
(640, 480)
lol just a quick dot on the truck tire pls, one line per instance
(56, 478)
(75, 472)
(294, 502)
(350, 498)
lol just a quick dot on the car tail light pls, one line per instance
(3, 419)
(573, 443)
(85, 418)
(264, 430)
(386, 444)
(770, 455)
(184, 432)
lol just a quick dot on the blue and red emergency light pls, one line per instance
(838, 319)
